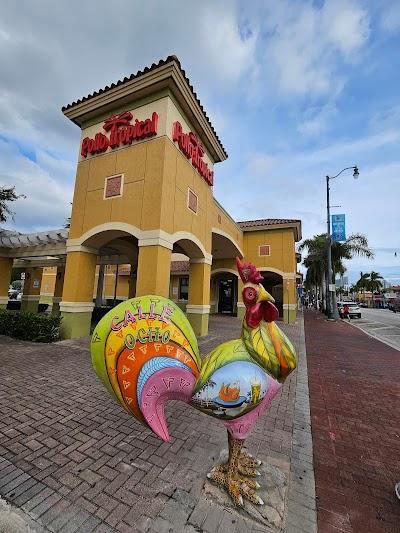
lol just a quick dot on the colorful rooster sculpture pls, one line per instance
(145, 353)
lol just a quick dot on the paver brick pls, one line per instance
(43, 506)
(76, 522)
(117, 514)
(353, 381)
(92, 454)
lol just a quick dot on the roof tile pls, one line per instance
(267, 222)
(179, 266)
(161, 63)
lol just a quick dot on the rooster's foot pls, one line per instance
(243, 467)
(247, 465)
(237, 485)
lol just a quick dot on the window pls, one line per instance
(183, 287)
(193, 201)
(113, 186)
(264, 249)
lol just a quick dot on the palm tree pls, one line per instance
(340, 291)
(356, 244)
(374, 283)
(316, 263)
(362, 284)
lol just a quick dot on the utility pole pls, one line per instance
(332, 309)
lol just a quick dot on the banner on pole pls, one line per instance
(338, 228)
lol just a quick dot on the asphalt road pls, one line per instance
(382, 324)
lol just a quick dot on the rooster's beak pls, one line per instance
(263, 295)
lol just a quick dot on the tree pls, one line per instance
(362, 283)
(356, 244)
(316, 264)
(7, 195)
(340, 291)
(374, 283)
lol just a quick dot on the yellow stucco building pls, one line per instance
(144, 219)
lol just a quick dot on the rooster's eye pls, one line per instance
(250, 294)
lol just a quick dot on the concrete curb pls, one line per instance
(301, 503)
(12, 520)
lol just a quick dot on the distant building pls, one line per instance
(342, 282)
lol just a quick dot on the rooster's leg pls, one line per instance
(230, 475)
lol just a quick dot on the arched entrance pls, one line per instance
(198, 281)
(224, 292)
(273, 283)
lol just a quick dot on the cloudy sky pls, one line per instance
(295, 89)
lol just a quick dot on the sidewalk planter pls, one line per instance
(30, 326)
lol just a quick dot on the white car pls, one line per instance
(354, 310)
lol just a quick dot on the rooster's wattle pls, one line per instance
(145, 353)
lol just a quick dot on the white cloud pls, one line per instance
(48, 196)
(317, 120)
(308, 42)
(228, 53)
(259, 164)
(55, 53)
(390, 19)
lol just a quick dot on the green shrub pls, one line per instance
(30, 326)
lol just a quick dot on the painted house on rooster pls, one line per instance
(144, 219)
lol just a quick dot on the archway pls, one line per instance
(224, 292)
(273, 283)
(116, 267)
(224, 246)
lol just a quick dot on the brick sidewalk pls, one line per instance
(75, 461)
(355, 411)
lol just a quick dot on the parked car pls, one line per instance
(354, 309)
(395, 306)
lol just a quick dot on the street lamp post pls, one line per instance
(333, 313)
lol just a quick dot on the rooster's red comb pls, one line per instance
(248, 272)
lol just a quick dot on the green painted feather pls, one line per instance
(260, 346)
(225, 353)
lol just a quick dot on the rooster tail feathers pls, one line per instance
(171, 382)
(145, 353)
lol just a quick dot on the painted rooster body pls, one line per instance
(146, 353)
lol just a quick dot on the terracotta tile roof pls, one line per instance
(179, 266)
(154, 66)
(267, 222)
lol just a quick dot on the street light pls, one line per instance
(333, 313)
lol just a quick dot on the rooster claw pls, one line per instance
(238, 486)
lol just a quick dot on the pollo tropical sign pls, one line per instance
(192, 148)
(121, 131)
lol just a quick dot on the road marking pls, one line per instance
(382, 327)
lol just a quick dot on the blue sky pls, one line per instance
(295, 89)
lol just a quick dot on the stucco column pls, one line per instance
(153, 273)
(58, 290)
(213, 295)
(31, 294)
(132, 282)
(241, 309)
(198, 307)
(289, 300)
(6, 264)
(77, 297)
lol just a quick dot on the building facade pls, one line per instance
(144, 219)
